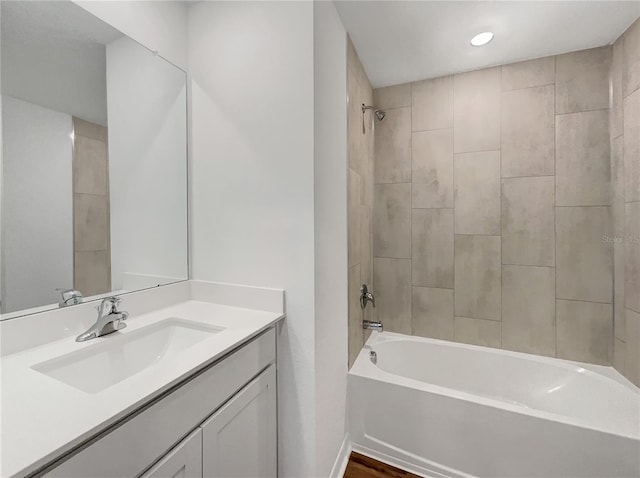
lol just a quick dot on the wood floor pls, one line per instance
(361, 466)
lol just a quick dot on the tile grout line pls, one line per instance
(455, 189)
(501, 193)
(585, 301)
(528, 265)
(599, 205)
(411, 326)
(581, 111)
(555, 196)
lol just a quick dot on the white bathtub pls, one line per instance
(440, 408)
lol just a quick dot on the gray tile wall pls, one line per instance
(395, 146)
(492, 203)
(91, 236)
(625, 178)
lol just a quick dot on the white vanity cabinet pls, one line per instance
(184, 461)
(240, 439)
(219, 423)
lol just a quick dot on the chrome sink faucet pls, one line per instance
(69, 297)
(109, 320)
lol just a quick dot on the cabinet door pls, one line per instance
(183, 461)
(240, 439)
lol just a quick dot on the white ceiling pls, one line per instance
(402, 41)
(54, 55)
(59, 21)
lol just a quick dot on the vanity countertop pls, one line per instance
(42, 418)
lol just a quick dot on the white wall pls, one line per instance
(36, 205)
(251, 65)
(253, 187)
(330, 71)
(147, 163)
(158, 25)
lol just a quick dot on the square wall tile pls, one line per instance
(366, 253)
(477, 277)
(432, 169)
(585, 331)
(631, 71)
(91, 223)
(392, 220)
(392, 288)
(528, 221)
(485, 333)
(529, 309)
(476, 110)
(619, 356)
(393, 147)
(355, 144)
(90, 130)
(366, 171)
(584, 259)
(617, 59)
(359, 92)
(354, 217)
(619, 265)
(432, 247)
(90, 166)
(528, 132)
(632, 359)
(356, 337)
(525, 74)
(92, 272)
(433, 313)
(631, 153)
(632, 256)
(582, 80)
(617, 185)
(477, 193)
(395, 96)
(356, 139)
(432, 102)
(583, 170)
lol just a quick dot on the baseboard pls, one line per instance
(342, 459)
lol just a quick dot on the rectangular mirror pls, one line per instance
(94, 160)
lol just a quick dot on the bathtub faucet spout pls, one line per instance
(369, 325)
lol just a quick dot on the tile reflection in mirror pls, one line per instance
(94, 157)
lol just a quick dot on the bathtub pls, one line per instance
(443, 409)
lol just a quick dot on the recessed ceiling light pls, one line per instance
(482, 38)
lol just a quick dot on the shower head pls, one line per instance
(379, 113)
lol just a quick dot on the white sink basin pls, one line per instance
(120, 355)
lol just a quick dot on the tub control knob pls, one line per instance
(366, 297)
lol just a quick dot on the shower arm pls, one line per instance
(379, 114)
(364, 109)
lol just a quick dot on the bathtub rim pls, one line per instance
(363, 367)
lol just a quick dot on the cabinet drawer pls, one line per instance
(129, 449)
(184, 461)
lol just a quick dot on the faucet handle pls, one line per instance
(366, 296)
(69, 297)
(109, 305)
